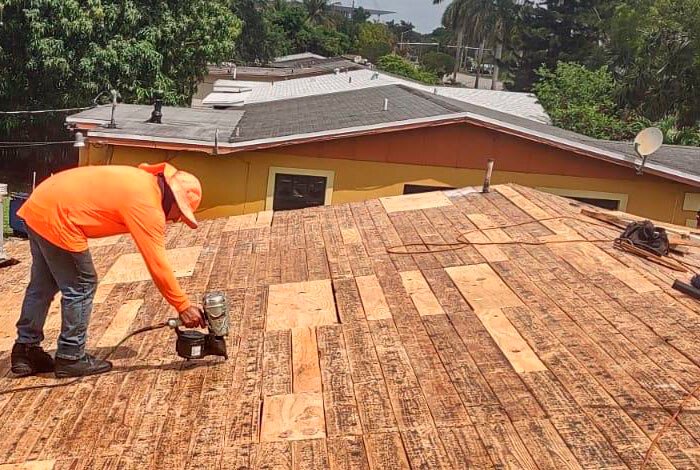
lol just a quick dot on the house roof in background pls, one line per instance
(303, 67)
(335, 111)
(302, 55)
(537, 346)
(178, 123)
(358, 112)
(519, 104)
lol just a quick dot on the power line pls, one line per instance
(9, 145)
(46, 111)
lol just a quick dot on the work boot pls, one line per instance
(29, 359)
(86, 365)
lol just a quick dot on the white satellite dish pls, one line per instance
(646, 143)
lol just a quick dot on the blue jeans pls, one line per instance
(54, 269)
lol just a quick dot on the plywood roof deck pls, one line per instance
(519, 356)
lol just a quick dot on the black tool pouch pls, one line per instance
(647, 236)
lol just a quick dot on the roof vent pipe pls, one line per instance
(386, 104)
(487, 177)
(216, 141)
(350, 79)
(238, 131)
(157, 114)
(112, 124)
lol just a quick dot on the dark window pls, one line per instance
(419, 188)
(610, 204)
(298, 191)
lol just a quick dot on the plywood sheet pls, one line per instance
(586, 258)
(119, 326)
(293, 417)
(305, 366)
(32, 465)
(562, 232)
(300, 304)
(482, 221)
(482, 287)
(264, 219)
(373, 300)
(514, 347)
(132, 268)
(102, 292)
(238, 222)
(492, 253)
(414, 202)
(530, 208)
(497, 235)
(350, 236)
(421, 294)
(635, 280)
(104, 241)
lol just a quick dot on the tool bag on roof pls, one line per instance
(647, 236)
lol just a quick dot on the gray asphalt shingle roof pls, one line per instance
(319, 113)
(357, 108)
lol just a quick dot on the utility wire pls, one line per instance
(45, 111)
(34, 144)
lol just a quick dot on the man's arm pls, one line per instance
(147, 227)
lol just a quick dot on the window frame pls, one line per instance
(621, 198)
(275, 170)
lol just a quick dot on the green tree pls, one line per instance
(374, 40)
(583, 100)
(317, 11)
(562, 31)
(438, 63)
(655, 51)
(261, 40)
(300, 35)
(62, 53)
(491, 23)
(397, 65)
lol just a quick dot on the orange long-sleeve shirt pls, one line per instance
(99, 201)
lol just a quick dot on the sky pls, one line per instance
(422, 13)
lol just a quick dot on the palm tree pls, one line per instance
(317, 10)
(481, 22)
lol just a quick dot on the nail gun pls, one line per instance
(192, 344)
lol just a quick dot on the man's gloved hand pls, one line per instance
(192, 317)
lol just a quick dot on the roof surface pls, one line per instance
(359, 111)
(505, 354)
(519, 104)
(319, 113)
(286, 70)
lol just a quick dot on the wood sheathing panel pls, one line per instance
(342, 355)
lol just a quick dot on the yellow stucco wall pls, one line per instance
(237, 183)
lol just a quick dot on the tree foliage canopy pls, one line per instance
(62, 53)
(374, 40)
(396, 64)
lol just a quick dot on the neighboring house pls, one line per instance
(382, 141)
(235, 93)
(281, 69)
